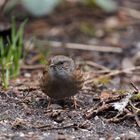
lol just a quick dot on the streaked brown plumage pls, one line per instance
(61, 78)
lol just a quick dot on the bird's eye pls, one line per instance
(61, 63)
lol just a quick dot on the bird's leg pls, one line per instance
(49, 102)
(75, 102)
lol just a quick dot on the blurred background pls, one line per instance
(102, 36)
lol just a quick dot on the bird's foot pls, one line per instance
(75, 102)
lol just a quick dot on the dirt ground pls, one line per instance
(114, 73)
(24, 115)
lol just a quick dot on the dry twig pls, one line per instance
(135, 112)
(85, 47)
(131, 12)
(32, 67)
(98, 66)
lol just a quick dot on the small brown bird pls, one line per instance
(61, 78)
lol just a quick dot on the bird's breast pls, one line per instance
(61, 88)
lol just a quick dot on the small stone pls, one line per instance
(27, 75)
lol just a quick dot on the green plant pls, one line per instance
(10, 55)
(5, 65)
